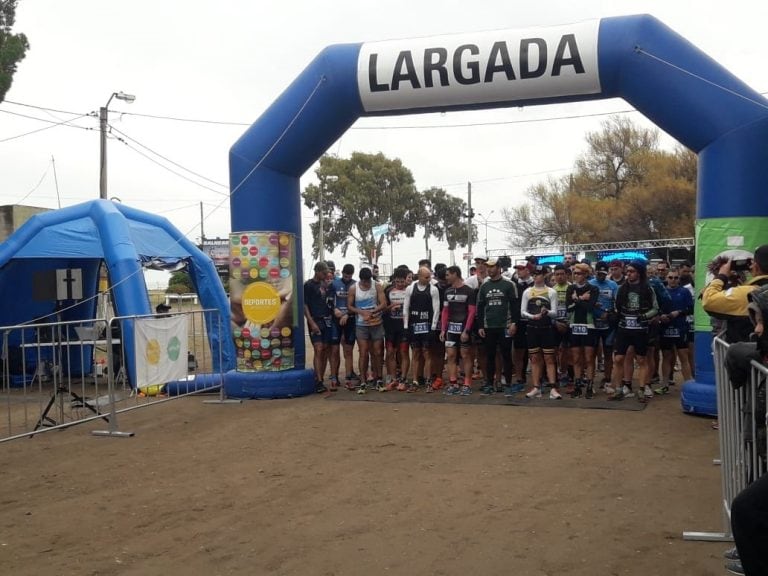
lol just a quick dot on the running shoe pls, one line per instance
(451, 390)
(534, 392)
(486, 390)
(626, 390)
(554, 394)
(320, 387)
(334, 384)
(465, 391)
(577, 391)
(661, 390)
(608, 389)
(589, 393)
(647, 392)
(731, 554)
(380, 386)
(402, 386)
(617, 395)
(734, 567)
(412, 387)
(361, 389)
(392, 385)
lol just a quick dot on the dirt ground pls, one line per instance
(313, 486)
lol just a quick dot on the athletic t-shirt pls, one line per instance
(458, 301)
(497, 304)
(393, 320)
(535, 300)
(366, 300)
(341, 290)
(315, 298)
(420, 310)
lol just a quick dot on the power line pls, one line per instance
(164, 167)
(28, 194)
(53, 125)
(45, 108)
(112, 128)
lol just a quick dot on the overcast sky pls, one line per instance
(226, 61)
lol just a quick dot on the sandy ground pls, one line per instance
(314, 486)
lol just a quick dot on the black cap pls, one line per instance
(601, 266)
(162, 308)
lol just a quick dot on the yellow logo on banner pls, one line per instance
(261, 302)
(153, 352)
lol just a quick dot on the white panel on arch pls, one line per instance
(483, 67)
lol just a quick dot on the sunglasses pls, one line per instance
(673, 277)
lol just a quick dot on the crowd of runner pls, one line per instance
(434, 331)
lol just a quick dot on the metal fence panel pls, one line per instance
(59, 374)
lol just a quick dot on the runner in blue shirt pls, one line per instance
(674, 331)
(344, 329)
(605, 317)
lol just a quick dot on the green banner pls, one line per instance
(714, 236)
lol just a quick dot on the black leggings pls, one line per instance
(749, 522)
(497, 338)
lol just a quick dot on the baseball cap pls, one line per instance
(639, 265)
(540, 269)
(601, 266)
(482, 258)
(492, 261)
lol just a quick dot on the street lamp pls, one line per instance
(485, 221)
(321, 232)
(103, 111)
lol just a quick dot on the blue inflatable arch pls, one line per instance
(678, 87)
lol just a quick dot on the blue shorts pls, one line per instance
(344, 334)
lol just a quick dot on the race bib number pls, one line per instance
(562, 312)
(671, 333)
(579, 329)
(328, 321)
(421, 328)
(632, 322)
(455, 327)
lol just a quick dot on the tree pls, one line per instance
(180, 283)
(443, 217)
(13, 47)
(358, 194)
(623, 188)
(614, 159)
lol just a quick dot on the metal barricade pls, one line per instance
(59, 374)
(741, 425)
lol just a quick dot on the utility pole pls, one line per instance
(469, 226)
(103, 114)
(202, 230)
